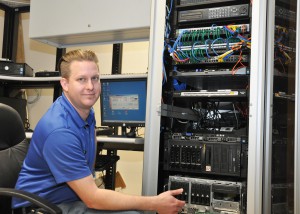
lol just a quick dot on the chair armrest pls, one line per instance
(34, 199)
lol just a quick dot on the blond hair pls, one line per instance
(75, 55)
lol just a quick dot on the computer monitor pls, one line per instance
(123, 101)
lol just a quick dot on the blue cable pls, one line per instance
(192, 51)
(213, 44)
(176, 42)
(177, 86)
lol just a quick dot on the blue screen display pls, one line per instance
(123, 102)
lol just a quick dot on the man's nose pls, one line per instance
(90, 84)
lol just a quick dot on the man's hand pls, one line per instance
(168, 204)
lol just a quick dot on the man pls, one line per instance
(59, 164)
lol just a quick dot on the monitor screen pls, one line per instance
(123, 102)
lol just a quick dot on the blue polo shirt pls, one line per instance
(62, 149)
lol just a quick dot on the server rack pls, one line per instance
(204, 124)
(280, 146)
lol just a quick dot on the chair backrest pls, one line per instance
(13, 149)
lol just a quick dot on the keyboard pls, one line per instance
(104, 131)
(104, 161)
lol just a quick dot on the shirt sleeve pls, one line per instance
(64, 154)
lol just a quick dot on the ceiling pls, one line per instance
(16, 3)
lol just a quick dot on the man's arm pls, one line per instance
(103, 199)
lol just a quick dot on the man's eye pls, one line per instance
(96, 79)
(82, 80)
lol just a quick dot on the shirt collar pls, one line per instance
(75, 115)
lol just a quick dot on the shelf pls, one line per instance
(16, 3)
(29, 82)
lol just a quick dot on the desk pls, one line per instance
(121, 143)
(28, 135)
(117, 143)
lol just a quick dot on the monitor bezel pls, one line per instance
(123, 123)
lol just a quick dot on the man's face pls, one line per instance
(83, 86)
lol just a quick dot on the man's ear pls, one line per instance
(64, 84)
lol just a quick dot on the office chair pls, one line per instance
(13, 149)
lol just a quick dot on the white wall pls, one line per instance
(1, 30)
(40, 56)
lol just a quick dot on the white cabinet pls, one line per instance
(77, 22)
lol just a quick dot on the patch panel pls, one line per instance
(198, 59)
(188, 33)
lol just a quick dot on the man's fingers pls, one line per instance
(176, 191)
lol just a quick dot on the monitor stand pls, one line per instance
(131, 133)
(125, 134)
